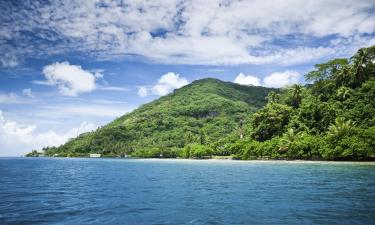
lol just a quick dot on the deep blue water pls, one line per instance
(114, 191)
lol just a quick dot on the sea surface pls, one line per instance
(136, 191)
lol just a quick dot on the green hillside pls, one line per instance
(207, 111)
(332, 118)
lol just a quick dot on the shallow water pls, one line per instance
(118, 191)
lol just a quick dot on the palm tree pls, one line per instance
(340, 128)
(361, 60)
(296, 91)
(343, 93)
(189, 138)
(343, 76)
(288, 139)
(273, 97)
(202, 137)
(241, 128)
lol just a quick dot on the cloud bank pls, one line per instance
(210, 32)
(247, 80)
(281, 79)
(275, 80)
(17, 139)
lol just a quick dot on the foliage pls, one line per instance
(196, 151)
(332, 118)
(270, 121)
(204, 112)
(33, 153)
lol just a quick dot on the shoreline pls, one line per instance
(274, 161)
(260, 161)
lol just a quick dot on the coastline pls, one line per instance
(259, 161)
(215, 160)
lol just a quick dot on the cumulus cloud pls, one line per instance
(281, 79)
(142, 91)
(275, 80)
(247, 80)
(28, 93)
(188, 32)
(70, 79)
(166, 84)
(18, 139)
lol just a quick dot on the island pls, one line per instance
(330, 118)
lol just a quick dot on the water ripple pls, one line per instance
(110, 191)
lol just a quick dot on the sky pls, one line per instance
(71, 66)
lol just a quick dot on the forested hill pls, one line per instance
(332, 118)
(208, 112)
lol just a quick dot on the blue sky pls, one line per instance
(69, 66)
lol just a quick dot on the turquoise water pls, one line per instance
(115, 191)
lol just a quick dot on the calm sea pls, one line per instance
(117, 191)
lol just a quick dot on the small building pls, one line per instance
(94, 155)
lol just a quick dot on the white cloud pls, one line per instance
(8, 60)
(142, 91)
(247, 80)
(189, 32)
(12, 98)
(70, 79)
(166, 84)
(17, 139)
(98, 73)
(7, 98)
(28, 93)
(275, 80)
(112, 88)
(281, 79)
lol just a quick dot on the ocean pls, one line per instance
(157, 191)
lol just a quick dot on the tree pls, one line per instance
(343, 93)
(316, 115)
(273, 97)
(324, 77)
(343, 77)
(270, 121)
(296, 91)
(363, 65)
(196, 151)
(288, 140)
(33, 153)
(202, 137)
(241, 128)
(189, 137)
(340, 128)
(326, 70)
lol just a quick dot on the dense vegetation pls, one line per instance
(207, 112)
(332, 119)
